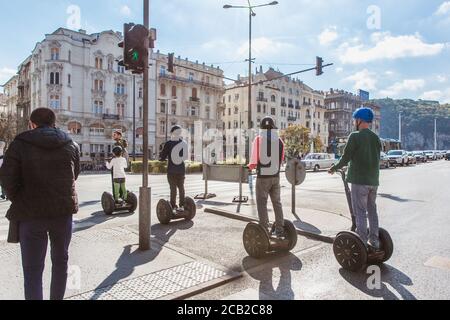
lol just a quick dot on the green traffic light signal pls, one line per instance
(135, 56)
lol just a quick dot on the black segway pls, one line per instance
(259, 241)
(351, 252)
(110, 206)
(166, 213)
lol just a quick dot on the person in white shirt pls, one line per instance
(118, 164)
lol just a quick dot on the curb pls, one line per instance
(248, 219)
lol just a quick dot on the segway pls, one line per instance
(260, 242)
(351, 252)
(110, 206)
(166, 213)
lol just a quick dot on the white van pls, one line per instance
(319, 161)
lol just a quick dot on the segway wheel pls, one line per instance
(291, 233)
(108, 203)
(190, 208)
(256, 241)
(387, 245)
(132, 201)
(164, 212)
(350, 251)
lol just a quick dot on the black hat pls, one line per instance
(268, 124)
(117, 151)
(175, 128)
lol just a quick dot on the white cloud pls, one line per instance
(264, 47)
(6, 74)
(364, 79)
(441, 78)
(389, 47)
(125, 10)
(443, 9)
(339, 70)
(437, 95)
(397, 89)
(328, 36)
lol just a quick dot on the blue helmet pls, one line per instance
(364, 114)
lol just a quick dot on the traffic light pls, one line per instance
(171, 63)
(134, 49)
(319, 66)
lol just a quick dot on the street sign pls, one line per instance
(295, 172)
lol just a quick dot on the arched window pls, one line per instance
(121, 110)
(236, 110)
(174, 108)
(194, 93)
(55, 54)
(97, 130)
(273, 98)
(163, 89)
(74, 128)
(174, 92)
(98, 63)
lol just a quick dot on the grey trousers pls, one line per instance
(266, 187)
(364, 206)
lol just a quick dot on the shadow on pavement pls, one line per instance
(128, 260)
(397, 199)
(125, 266)
(263, 271)
(389, 275)
(97, 218)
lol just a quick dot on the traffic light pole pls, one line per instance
(145, 191)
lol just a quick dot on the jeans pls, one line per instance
(266, 187)
(34, 235)
(176, 181)
(364, 206)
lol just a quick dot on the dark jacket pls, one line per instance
(39, 173)
(173, 168)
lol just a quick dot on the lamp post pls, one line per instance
(250, 61)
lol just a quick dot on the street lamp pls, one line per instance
(250, 60)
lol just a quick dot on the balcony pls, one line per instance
(283, 104)
(111, 117)
(292, 119)
(308, 116)
(297, 107)
(193, 99)
(291, 106)
(99, 93)
(262, 99)
(307, 103)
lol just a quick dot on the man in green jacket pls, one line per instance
(362, 152)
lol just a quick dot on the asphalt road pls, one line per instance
(413, 206)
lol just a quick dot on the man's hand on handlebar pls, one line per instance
(331, 171)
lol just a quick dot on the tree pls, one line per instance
(297, 140)
(318, 145)
(8, 128)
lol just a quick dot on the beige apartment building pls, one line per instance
(289, 101)
(11, 95)
(191, 97)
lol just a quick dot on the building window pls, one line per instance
(163, 107)
(139, 133)
(69, 80)
(141, 93)
(120, 89)
(264, 109)
(97, 148)
(120, 69)
(55, 102)
(208, 113)
(70, 56)
(229, 111)
(98, 63)
(194, 93)
(208, 99)
(97, 130)
(140, 113)
(98, 107)
(162, 71)
(236, 97)
(69, 103)
(174, 109)
(274, 111)
(236, 110)
(55, 54)
(162, 127)
(258, 108)
(110, 64)
(74, 128)
(121, 110)
(174, 92)
(273, 98)
(54, 78)
(98, 85)
(163, 89)
(191, 76)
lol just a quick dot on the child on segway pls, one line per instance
(267, 157)
(176, 151)
(118, 165)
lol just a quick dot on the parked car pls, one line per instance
(398, 158)
(447, 155)
(420, 156)
(319, 161)
(384, 161)
(431, 155)
(411, 158)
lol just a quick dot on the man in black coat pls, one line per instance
(38, 175)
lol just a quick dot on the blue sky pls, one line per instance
(399, 49)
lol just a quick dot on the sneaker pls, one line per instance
(375, 253)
